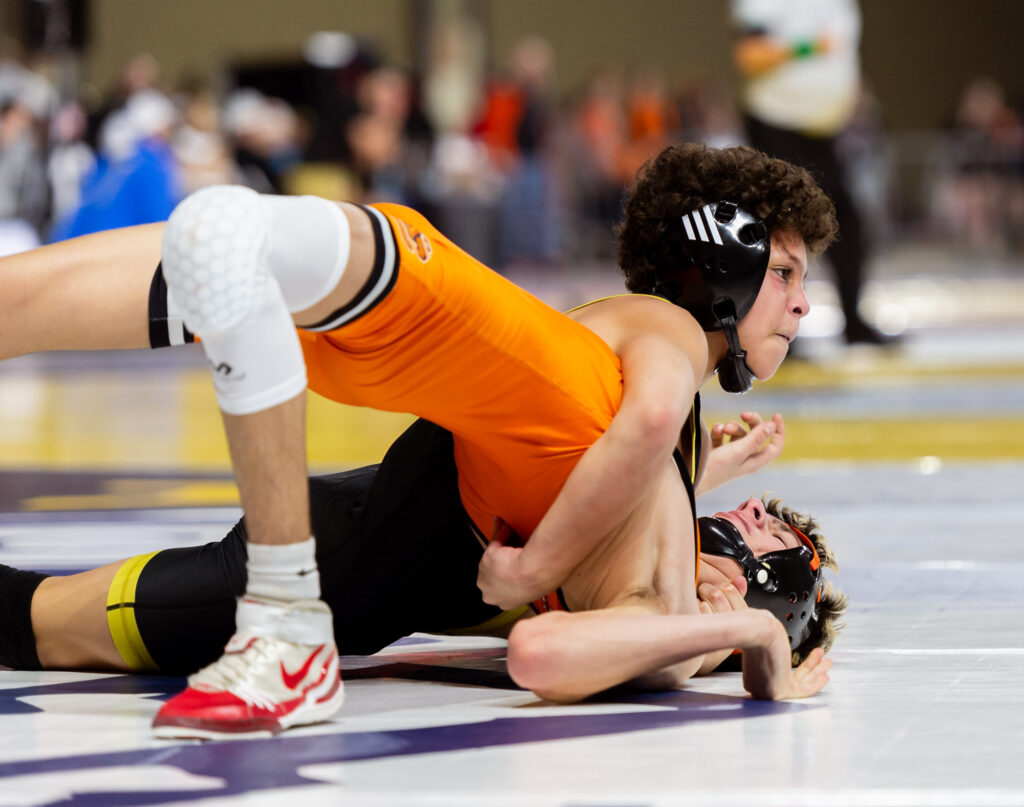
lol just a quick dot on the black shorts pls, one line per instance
(395, 549)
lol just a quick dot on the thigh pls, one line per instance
(88, 293)
(178, 607)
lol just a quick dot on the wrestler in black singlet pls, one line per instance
(394, 547)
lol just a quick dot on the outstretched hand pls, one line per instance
(739, 449)
(768, 673)
(500, 577)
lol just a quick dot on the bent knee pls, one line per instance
(213, 257)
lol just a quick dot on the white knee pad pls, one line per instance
(308, 247)
(236, 264)
(257, 364)
(223, 240)
(213, 255)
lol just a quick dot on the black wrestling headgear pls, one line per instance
(725, 251)
(786, 582)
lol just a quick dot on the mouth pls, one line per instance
(787, 339)
(734, 516)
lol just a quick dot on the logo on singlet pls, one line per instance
(416, 242)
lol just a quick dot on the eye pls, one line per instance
(784, 272)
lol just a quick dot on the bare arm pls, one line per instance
(566, 657)
(88, 293)
(659, 382)
(756, 54)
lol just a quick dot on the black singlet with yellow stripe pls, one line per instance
(394, 548)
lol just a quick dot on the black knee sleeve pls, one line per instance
(166, 327)
(17, 641)
(184, 604)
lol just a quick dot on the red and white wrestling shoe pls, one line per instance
(263, 684)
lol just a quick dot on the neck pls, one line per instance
(718, 347)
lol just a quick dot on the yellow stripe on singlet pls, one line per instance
(614, 296)
(121, 615)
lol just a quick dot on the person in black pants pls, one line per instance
(801, 74)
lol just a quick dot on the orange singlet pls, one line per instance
(523, 389)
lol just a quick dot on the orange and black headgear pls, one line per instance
(786, 582)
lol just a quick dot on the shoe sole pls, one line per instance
(303, 716)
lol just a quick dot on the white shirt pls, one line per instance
(814, 94)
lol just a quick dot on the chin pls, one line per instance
(765, 369)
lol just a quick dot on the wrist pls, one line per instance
(534, 575)
(759, 629)
(803, 49)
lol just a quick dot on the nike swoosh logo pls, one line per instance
(292, 680)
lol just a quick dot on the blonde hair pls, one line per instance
(833, 602)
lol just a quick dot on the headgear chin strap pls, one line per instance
(734, 374)
(786, 582)
(722, 261)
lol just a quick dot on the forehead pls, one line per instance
(788, 245)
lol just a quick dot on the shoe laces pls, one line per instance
(237, 672)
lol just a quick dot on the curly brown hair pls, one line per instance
(688, 176)
(833, 602)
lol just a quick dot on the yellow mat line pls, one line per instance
(886, 371)
(901, 439)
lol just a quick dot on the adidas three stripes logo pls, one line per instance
(699, 223)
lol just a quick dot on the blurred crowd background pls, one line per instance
(517, 165)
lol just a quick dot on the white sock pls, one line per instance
(283, 572)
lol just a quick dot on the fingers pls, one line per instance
(501, 533)
(721, 599)
(750, 422)
(816, 661)
(812, 674)
(752, 419)
(717, 435)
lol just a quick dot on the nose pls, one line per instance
(799, 305)
(754, 508)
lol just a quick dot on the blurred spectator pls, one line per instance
(600, 126)
(800, 64)
(707, 114)
(868, 159)
(71, 158)
(985, 205)
(498, 127)
(389, 139)
(200, 147)
(136, 179)
(23, 184)
(26, 100)
(266, 135)
(652, 119)
(530, 208)
(140, 73)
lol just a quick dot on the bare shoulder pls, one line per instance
(623, 319)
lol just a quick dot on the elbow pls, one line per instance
(660, 423)
(536, 661)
